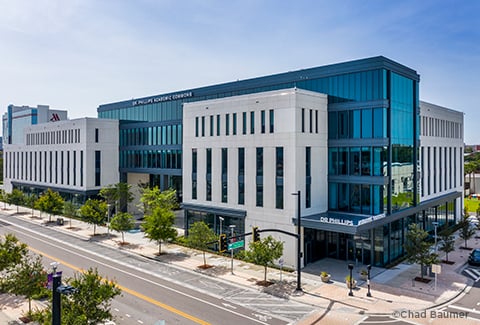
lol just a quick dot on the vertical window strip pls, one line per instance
(262, 122)
(271, 120)
(259, 178)
(194, 173)
(208, 175)
(303, 120)
(244, 123)
(252, 122)
(227, 124)
(308, 176)
(241, 175)
(279, 178)
(234, 123)
(224, 175)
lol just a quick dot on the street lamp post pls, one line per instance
(56, 299)
(56, 282)
(299, 241)
(369, 267)
(232, 227)
(435, 225)
(108, 220)
(350, 267)
(221, 229)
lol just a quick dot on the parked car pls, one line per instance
(474, 258)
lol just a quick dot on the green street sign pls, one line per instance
(236, 244)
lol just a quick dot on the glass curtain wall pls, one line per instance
(402, 110)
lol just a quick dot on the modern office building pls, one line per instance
(364, 176)
(18, 117)
(73, 157)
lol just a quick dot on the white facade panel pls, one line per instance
(441, 152)
(287, 106)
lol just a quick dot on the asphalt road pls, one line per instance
(468, 305)
(155, 291)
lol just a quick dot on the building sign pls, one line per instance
(54, 117)
(337, 221)
(160, 99)
(350, 222)
(371, 219)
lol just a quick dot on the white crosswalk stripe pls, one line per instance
(472, 273)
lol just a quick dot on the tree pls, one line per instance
(117, 194)
(3, 198)
(109, 194)
(199, 235)
(50, 202)
(16, 198)
(89, 304)
(92, 299)
(417, 248)
(152, 198)
(12, 252)
(466, 230)
(264, 252)
(94, 212)
(122, 222)
(28, 279)
(30, 201)
(468, 169)
(158, 226)
(447, 244)
(70, 211)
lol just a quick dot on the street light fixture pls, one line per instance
(221, 229)
(350, 267)
(54, 266)
(57, 290)
(299, 241)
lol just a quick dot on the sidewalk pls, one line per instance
(391, 289)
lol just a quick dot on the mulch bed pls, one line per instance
(424, 280)
(448, 262)
(205, 266)
(25, 319)
(264, 283)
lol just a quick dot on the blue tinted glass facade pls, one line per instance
(372, 137)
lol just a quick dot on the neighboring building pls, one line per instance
(18, 117)
(441, 152)
(471, 148)
(74, 157)
(355, 206)
(472, 185)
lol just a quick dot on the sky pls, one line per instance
(77, 54)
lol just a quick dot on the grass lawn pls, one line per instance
(471, 204)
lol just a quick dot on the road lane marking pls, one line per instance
(130, 266)
(470, 310)
(130, 291)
